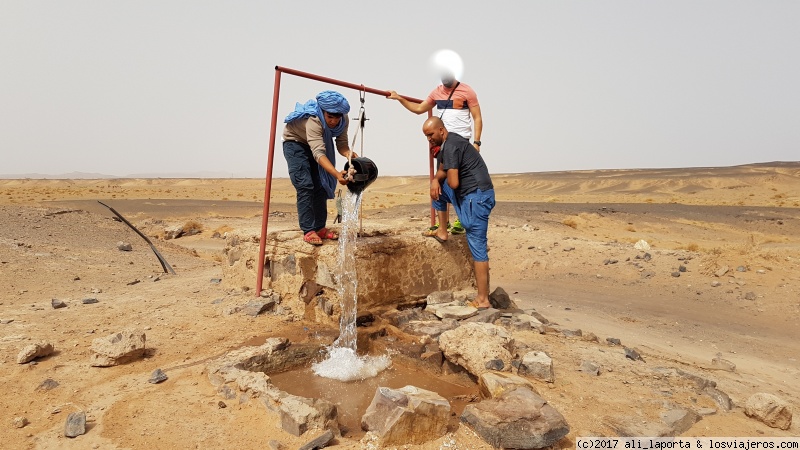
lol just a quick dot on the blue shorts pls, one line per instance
(473, 212)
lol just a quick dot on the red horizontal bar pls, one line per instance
(358, 87)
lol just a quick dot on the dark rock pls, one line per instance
(632, 354)
(676, 274)
(47, 385)
(256, 307)
(647, 257)
(320, 441)
(325, 305)
(495, 364)
(613, 341)
(57, 304)
(222, 405)
(681, 268)
(647, 274)
(572, 333)
(518, 418)
(539, 317)
(216, 280)
(750, 296)
(485, 316)
(399, 318)
(500, 299)
(75, 425)
(157, 376)
(435, 358)
(89, 301)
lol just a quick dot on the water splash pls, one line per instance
(343, 363)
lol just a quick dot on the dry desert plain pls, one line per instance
(561, 242)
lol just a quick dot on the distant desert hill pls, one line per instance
(763, 184)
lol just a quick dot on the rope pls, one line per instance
(362, 119)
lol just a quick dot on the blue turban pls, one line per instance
(335, 103)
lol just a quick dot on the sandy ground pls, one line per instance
(552, 237)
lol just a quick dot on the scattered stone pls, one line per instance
(124, 246)
(432, 328)
(485, 316)
(493, 384)
(500, 299)
(647, 257)
(89, 301)
(408, 415)
(676, 274)
(256, 307)
(572, 333)
(452, 311)
(610, 261)
(35, 350)
(613, 341)
(716, 283)
(721, 272)
(216, 280)
(590, 337)
(320, 441)
(706, 411)
(679, 420)
(632, 354)
(539, 317)
(723, 364)
(6, 321)
(537, 365)
(47, 385)
(118, 348)
(399, 318)
(647, 274)
(75, 424)
(131, 283)
(157, 376)
(438, 297)
(57, 304)
(299, 414)
(221, 405)
(568, 249)
(590, 367)
(761, 271)
(275, 445)
(495, 364)
(681, 268)
(19, 422)
(518, 418)
(750, 296)
(770, 409)
(472, 344)
(741, 269)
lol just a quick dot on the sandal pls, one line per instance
(430, 232)
(312, 238)
(327, 234)
(456, 228)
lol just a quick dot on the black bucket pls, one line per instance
(366, 173)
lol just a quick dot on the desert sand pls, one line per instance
(553, 237)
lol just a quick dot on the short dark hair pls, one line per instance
(333, 114)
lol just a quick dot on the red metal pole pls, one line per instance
(358, 87)
(268, 186)
(430, 163)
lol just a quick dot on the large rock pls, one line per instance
(770, 409)
(518, 418)
(494, 384)
(437, 297)
(300, 414)
(118, 348)
(537, 365)
(408, 415)
(38, 349)
(472, 345)
(400, 318)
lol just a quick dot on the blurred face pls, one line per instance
(434, 134)
(448, 79)
(332, 119)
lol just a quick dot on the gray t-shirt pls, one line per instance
(458, 153)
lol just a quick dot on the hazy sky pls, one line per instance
(126, 87)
